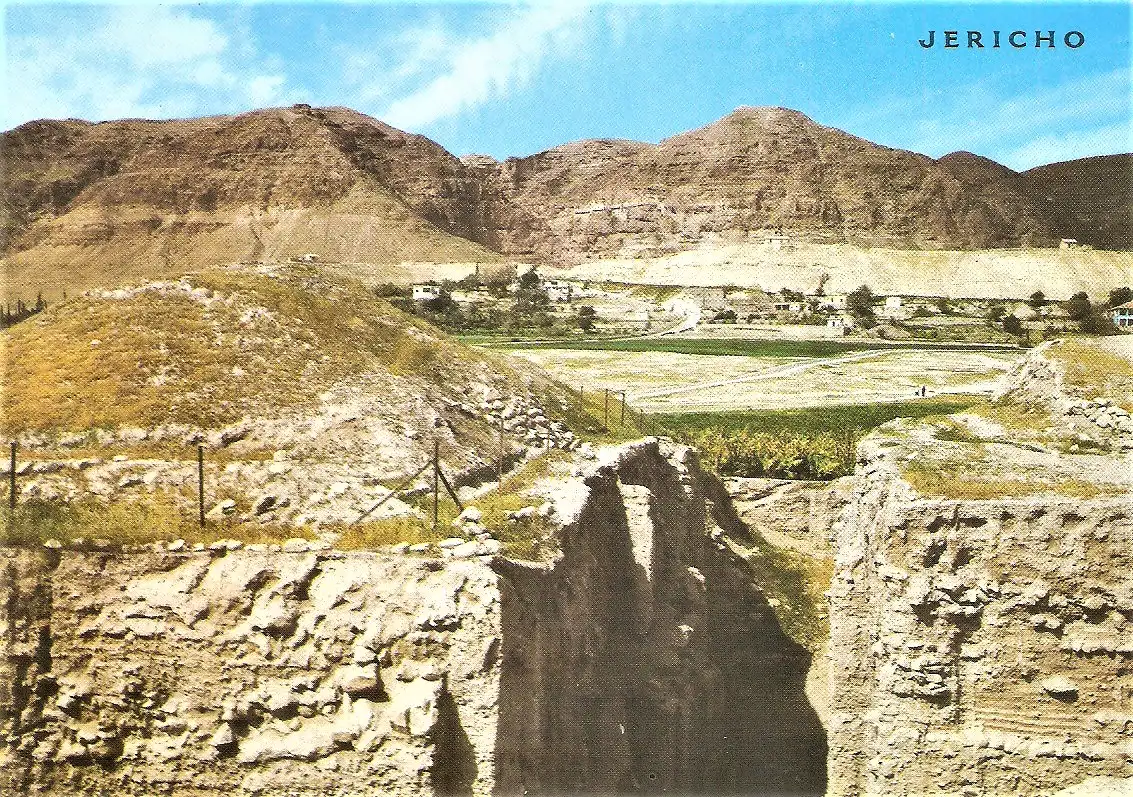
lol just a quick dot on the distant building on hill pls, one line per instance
(778, 241)
(1122, 315)
(1069, 243)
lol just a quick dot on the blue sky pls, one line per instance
(511, 79)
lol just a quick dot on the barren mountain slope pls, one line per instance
(89, 205)
(96, 204)
(1092, 198)
(755, 169)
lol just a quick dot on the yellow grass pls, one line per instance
(943, 481)
(160, 517)
(1094, 371)
(154, 358)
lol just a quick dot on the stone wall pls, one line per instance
(979, 647)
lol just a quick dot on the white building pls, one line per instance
(836, 301)
(1122, 315)
(426, 292)
(558, 290)
(778, 241)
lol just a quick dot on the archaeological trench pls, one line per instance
(976, 647)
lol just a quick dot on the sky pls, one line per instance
(508, 79)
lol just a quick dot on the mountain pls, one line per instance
(1091, 199)
(84, 203)
(92, 204)
(755, 170)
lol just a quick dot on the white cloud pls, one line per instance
(1105, 140)
(134, 61)
(1088, 115)
(468, 72)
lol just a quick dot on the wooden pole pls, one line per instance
(12, 478)
(436, 484)
(201, 485)
(606, 410)
(623, 420)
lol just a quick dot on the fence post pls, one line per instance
(12, 479)
(201, 484)
(500, 458)
(623, 420)
(436, 484)
(606, 410)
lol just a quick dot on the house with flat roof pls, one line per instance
(426, 292)
(1122, 315)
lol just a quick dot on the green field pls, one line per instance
(813, 443)
(814, 420)
(739, 347)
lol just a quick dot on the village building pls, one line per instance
(894, 307)
(558, 290)
(778, 241)
(836, 301)
(426, 292)
(1122, 315)
(1069, 243)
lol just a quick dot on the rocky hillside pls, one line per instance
(755, 170)
(311, 396)
(90, 204)
(1092, 198)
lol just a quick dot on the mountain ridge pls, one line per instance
(82, 199)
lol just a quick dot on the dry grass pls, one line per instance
(949, 480)
(520, 539)
(1094, 372)
(798, 584)
(166, 356)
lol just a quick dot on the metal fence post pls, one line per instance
(12, 479)
(201, 485)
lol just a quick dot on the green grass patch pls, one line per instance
(816, 420)
(159, 517)
(797, 583)
(811, 443)
(941, 481)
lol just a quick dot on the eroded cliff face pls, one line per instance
(641, 659)
(979, 647)
(646, 660)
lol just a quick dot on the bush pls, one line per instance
(1012, 325)
(585, 317)
(1078, 306)
(1120, 296)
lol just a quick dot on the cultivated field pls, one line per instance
(658, 381)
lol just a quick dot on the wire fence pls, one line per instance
(604, 405)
